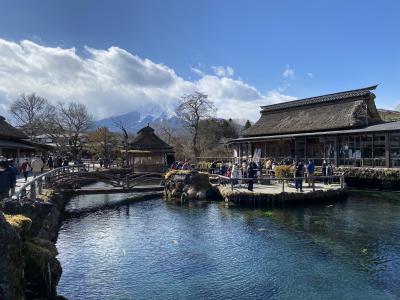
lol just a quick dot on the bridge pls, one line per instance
(71, 179)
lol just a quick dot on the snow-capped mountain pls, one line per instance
(134, 121)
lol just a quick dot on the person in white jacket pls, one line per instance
(234, 175)
(37, 165)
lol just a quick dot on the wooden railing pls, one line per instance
(281, 180)
(35, 187)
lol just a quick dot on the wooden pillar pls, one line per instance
(387, 149)
(249, 151)
(335, 149)
(305, 150)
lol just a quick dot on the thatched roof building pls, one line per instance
(344, 128)
(342, 110)
(13, 142)
(149, 153)
(146, 139)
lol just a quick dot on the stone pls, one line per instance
(11, 262)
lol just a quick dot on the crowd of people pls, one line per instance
(9, 171)
(248, 171)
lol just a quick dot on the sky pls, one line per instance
(120, 56)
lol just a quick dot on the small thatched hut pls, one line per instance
(344, 128)
(149, 153)
(13, 142)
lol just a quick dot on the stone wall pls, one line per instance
(373, 178)
(29, 229)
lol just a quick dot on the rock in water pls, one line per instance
(11, 262)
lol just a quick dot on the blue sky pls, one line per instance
(291, 48)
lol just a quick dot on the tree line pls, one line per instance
(70, 126)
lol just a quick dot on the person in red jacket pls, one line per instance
(25, 168)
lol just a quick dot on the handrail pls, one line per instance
(283, 179)
(37, 182)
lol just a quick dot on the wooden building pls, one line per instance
(344, 128)
(13, 142)
(149, 153)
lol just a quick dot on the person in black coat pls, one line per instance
(251, 172)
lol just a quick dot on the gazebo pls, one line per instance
(149, 153)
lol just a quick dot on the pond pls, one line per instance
(157, 250)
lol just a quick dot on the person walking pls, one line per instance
(50, 163)
(37, 166)
(59, 161)
(251, 172)
(5, 180)
(13, 175)
(310, 169)
(298, 172)
(25, 168)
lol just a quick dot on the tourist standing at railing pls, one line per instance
(234, 175)
(37, 165)
(5, 179)
(298, 173)
(244, 169)
(310, 169)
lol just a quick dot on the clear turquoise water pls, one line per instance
(156, 250)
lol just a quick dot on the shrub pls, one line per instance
(284, 171)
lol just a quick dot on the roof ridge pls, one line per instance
(305, 101)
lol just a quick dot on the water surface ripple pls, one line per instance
(155, 250)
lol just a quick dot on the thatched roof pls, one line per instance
(146, 139)
(9, 132)
(344, 110)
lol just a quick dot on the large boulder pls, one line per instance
(11, 262)
(187, 185)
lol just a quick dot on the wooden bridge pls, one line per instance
(71, 178)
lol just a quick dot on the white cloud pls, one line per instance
(114, 81)
(288, 72)
(197, 71)
(223, 71)
(310, 75)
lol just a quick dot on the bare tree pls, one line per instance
(103, 143)
(192, 109)
(122, 126)
(69, 125)
(31, 113)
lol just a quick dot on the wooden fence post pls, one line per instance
(32, 192)
(39, 185)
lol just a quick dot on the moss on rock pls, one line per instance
(20, 223)
(42, 269)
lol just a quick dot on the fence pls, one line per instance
(281, 180)
(34, 187)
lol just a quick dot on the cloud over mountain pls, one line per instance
(113, 81)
